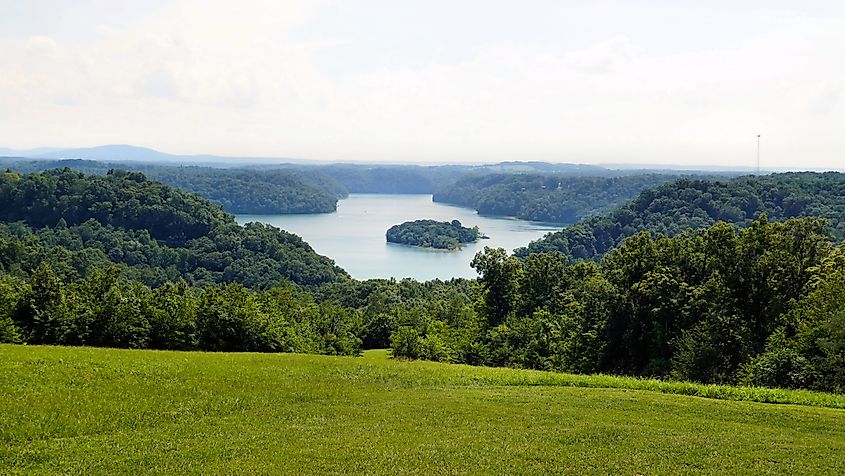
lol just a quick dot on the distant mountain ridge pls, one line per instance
(133, 153)
(7, 152)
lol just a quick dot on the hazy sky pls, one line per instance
(596, 82)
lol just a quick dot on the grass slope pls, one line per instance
(90, 411)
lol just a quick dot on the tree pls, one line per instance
(500, 277)
(41, 313)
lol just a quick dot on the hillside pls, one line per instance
(693, 204)
(546, 198)
(77, 223)
(237, 190)
(555, 193)
(269, 192)
(411, 179)
(77, 410)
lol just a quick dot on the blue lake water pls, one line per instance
(354, 236)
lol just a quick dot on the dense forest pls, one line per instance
(237, 190)
(107, 309)
(417, 179)
(80, 223)
(269, 192)
(760, 306)
(441, 235)
(119, 260)
(403, 179)
(527, 190)
(690, 204)
(546, 198)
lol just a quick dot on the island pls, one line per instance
(441, 235)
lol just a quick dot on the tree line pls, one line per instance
(154, 232)
(237, 190)
(687, 203)
(757, 306)
(108, 309)
(543, 197)
(250, 191)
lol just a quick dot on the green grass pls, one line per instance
(97, 411)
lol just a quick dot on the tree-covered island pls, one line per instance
(442, 235)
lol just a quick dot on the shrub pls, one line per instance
(779, 367)
(9, 332)
(405, 343)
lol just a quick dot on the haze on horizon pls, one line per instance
(654, 82)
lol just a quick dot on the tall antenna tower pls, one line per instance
(758, 154)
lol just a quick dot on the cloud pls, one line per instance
(213, 76)
(603, 57)
(40, 45)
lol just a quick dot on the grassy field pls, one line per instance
(97, 411)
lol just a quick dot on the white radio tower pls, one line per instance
(758, 154)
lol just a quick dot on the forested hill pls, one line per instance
(691, 204)
(391, 178)
(153, 232)
(257, 192)
(237, 190)
(468, 184)
(527, 190)
(547, 198)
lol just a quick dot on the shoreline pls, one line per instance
(432, 248)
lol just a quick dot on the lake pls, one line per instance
(354, 236)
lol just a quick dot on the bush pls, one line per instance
(405, 343)
(779, 367)
(9, 332)
(434, 348)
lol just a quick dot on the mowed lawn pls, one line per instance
(99, 411)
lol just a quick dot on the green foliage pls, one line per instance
(121, 199)
(120, 261)
(779, 367)
(433, 234)
(702, 306)
(9, 332)
(154, 233)
(106, 310)
(687, 204)
(42, 311)
(255, 191)
(172, 309)
(11, 290)
(229, 319)
(499, 276)
(405, 343)
(811, 341)
(546, 198)
(237, 190)
(387, 179)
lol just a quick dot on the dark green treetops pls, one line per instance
(442, 235)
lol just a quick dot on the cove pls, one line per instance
(354, 236)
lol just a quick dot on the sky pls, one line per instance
(431, 81)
